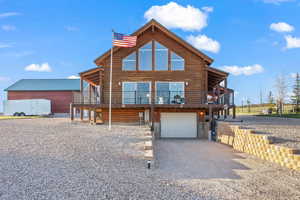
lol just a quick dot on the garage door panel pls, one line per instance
(178, 125)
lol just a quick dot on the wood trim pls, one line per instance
(153, 55)
(169, 60)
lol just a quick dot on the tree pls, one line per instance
(260, 97)
(270, 98)
(296, 93)
(248, 103)
(281, 88)
(270, 102)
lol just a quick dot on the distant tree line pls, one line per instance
(279, 100)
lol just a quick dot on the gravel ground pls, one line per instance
(286, 132)
(54, 159)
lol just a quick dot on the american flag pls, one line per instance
(121, 40)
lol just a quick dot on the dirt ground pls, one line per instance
(56, 159)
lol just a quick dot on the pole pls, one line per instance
(110, 82)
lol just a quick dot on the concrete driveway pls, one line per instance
(199, 159)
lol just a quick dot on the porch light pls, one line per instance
(186, 83)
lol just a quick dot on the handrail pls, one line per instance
(161, 97)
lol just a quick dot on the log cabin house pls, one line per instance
(163, 81)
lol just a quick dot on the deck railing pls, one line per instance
(157, 98)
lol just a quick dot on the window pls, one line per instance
(142, 60)
(161, 57)
(170, 92)
(145, 57)
(129, 63)
(136, 93)
(177, 62)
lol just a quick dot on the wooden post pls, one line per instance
(152, 105)
(81, 99)
(71, 112)
(210, 113)
(90, 100)
(95, 116)
(234, 112)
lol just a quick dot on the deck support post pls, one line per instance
(81, 113)
(234, 112)
(95, 116)
(71, 112)
(81, 99)
(90, 100)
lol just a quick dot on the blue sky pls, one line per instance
(254, 39)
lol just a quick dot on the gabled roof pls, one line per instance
(154, 23)
(45, 85)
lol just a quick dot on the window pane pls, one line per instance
(161, 57)
(129, 63)
(162, 93)
(177, 92)
(177, 62)
(136, 93)
(170, 93)
(145, 57)
(129, 93)
(143, 93)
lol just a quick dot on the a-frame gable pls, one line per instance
(152, 25)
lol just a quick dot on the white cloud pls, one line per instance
(173, 15)
(5, 45)
(73, 77)
(9, 14)
(203, 42)
(71, 28)
(293, 75)
(45, 67)
(4, 79)
(8, 28)
(208, 9)
(282, 27)
(292, 42)
(277, 2)
(244, 70)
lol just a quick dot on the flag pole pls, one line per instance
(110, 81)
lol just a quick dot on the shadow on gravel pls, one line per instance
(196, 159)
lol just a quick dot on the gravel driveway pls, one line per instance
(54, 159)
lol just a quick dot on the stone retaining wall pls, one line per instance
(260, 145)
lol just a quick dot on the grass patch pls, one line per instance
(296, 116)
(19, 117)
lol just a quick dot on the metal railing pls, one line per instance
(157, 97)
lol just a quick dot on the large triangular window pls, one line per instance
(177, 62)
(129, 63)
(161, 57)
(145, 57)
(153, 56)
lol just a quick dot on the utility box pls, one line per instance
(27, 107)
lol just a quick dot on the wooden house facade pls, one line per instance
(163, 81)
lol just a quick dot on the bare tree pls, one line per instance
(296, 93)
(270, 102)
(281, 88)
(249, 105)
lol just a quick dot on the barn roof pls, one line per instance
(45, 85)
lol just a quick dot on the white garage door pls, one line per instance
(178, 125)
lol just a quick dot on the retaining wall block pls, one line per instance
(260, 145)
